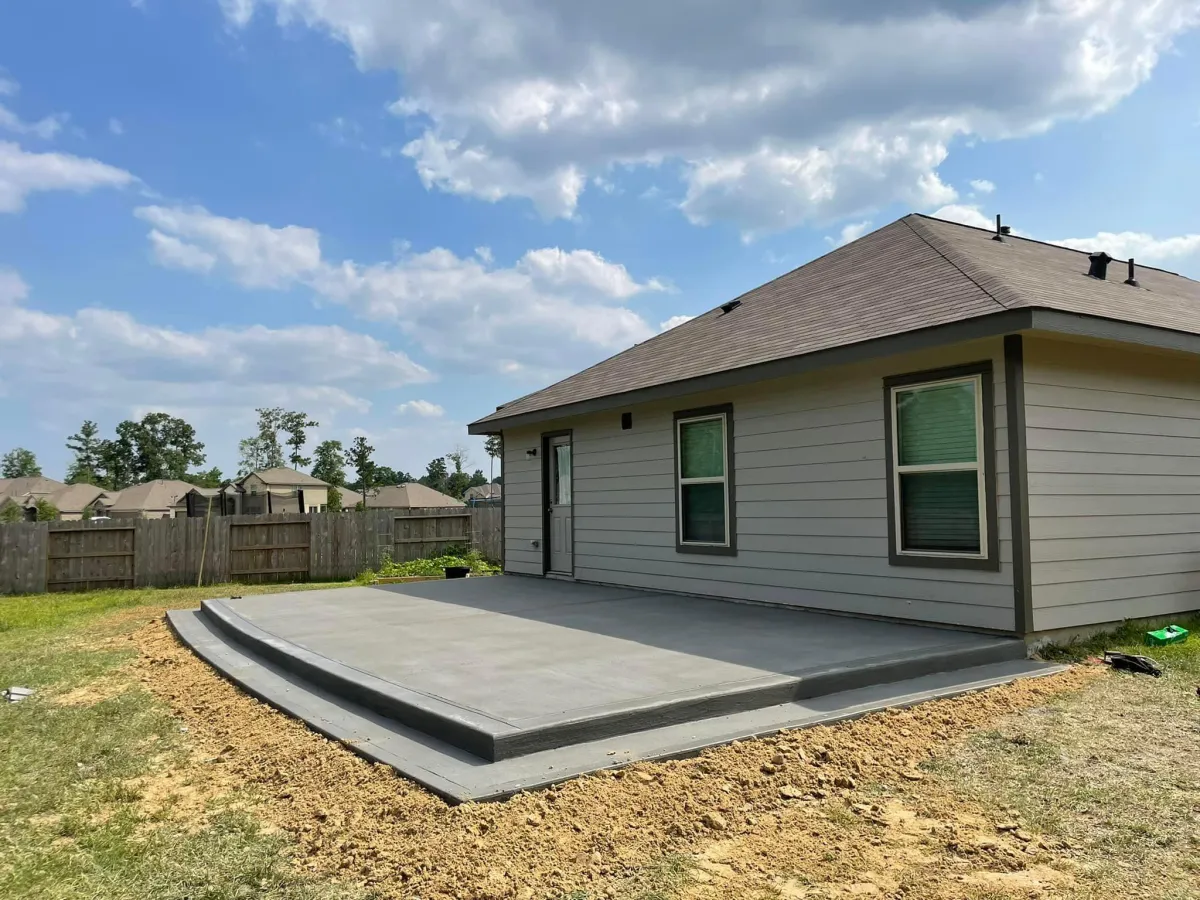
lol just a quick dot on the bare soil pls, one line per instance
(852, 810)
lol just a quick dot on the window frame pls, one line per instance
(728, 547)
(988, 557)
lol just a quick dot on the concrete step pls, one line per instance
(460, 775)
(493, 739)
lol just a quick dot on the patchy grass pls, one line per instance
(1110, 773)
(55, 610)
(77, 778)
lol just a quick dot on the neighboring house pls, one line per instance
(69, 499)
(72, 500)
(482, 495)
(404, 496)
(932, 423)
(152, 500)
(282, 490)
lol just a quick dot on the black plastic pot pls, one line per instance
(457, 571)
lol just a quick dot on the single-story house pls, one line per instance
(405, 496)
(482, 495)
(935, 423)
(281, 489)
(69, 499)
(152, 500)
(72, 500)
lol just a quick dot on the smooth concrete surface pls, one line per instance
(460, 776)
(507, 666)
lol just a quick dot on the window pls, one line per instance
(704, 476)
(939, 447)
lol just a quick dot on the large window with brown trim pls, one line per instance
(940, 461)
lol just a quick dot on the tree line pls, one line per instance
(161, 446)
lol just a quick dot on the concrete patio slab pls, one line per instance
(480, 687)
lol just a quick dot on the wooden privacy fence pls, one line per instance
(287, 547)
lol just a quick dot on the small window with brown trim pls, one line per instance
(940, 468)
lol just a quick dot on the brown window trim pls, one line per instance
(725, 409)
(991, 561)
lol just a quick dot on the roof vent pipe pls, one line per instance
(730, 306)
(1132, 279)
(1000, 230)
(1099, 265)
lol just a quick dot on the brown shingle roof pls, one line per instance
(915, 273)
(74, 497)
(285, 477)
(406, 496)
(35, 484)
(161, 494)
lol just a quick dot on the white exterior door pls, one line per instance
(559, 513)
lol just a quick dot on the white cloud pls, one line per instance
(176, 254)
(674, 322)
(776, 113)
(45, 128)
(109, 358)
(966, 214)
(22, 174)
(583, 267)
(851, 232)
(545, 313)
(115, 127)
(8, 87)
(982, 185)
(1143, 247)
(421, 408)
(258, 255)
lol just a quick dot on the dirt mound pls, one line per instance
(739, 815)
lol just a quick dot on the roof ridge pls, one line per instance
(1033, 240)
(962, 265)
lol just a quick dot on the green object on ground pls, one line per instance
(1172, 634)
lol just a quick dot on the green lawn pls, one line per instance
(72, 821)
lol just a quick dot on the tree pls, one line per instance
(334, 498)
(263, 451)
(19, 463)
(331, 459)
(11, 511)
(46, 511)
(478, 479)
(436, 474)
(359, 457)
(296, 425)
(458, 481)
(163, 446)
(494, 448)
(118, 464)
(210, 479)
(85, 444)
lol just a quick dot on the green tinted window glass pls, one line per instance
(940, 512)
(702, 449)
(703, 518)
(936, 424)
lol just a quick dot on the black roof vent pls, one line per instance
(1099, 265)
(1132, 279)
(730, 306)
(1001, 230)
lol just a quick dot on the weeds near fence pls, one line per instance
(435, 565)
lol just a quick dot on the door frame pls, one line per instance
(547, 461)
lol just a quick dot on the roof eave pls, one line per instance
(954, 332)
(992, 325)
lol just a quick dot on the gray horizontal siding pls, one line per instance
(811, 501)
(522, 503)
(1114, 483)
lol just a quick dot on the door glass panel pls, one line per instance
(562, 474)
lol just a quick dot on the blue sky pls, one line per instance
(398, 215)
